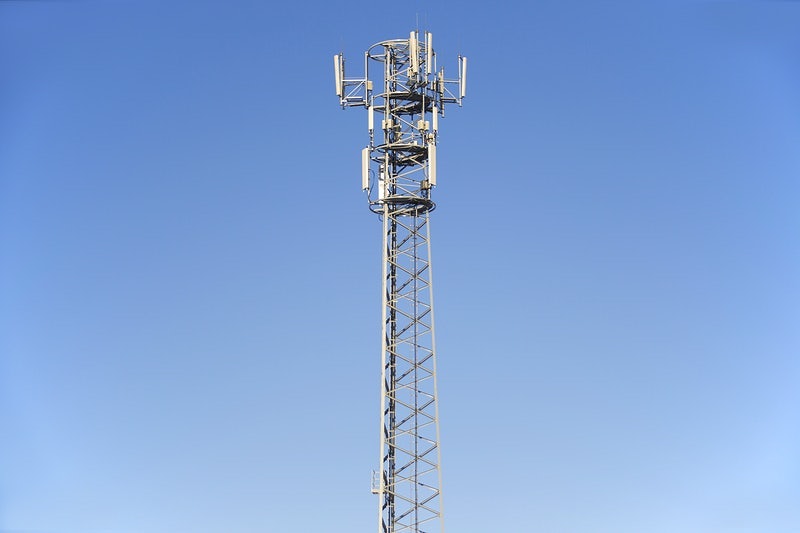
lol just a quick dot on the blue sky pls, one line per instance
(189, 274)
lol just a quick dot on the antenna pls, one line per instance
(399, 173)
(365, 168)
(428, 53)
(462, 77)
(338, 66)
(432, 165)
(413, 52)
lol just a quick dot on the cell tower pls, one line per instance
(398, 170)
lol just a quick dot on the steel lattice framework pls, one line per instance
(398, 173)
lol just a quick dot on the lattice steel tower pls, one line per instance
(398, 174)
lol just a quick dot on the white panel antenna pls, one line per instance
(429, 67)
(365, 168)
(432, 164)
(338, 67)
(462, 76)
(382, 185)
(413, 52)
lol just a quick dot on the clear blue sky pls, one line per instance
(189, 274)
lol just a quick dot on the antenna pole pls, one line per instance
(399, 173)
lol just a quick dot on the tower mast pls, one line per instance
(398, 175)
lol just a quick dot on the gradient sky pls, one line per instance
(190, 276)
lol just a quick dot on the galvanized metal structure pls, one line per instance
(398, 175)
